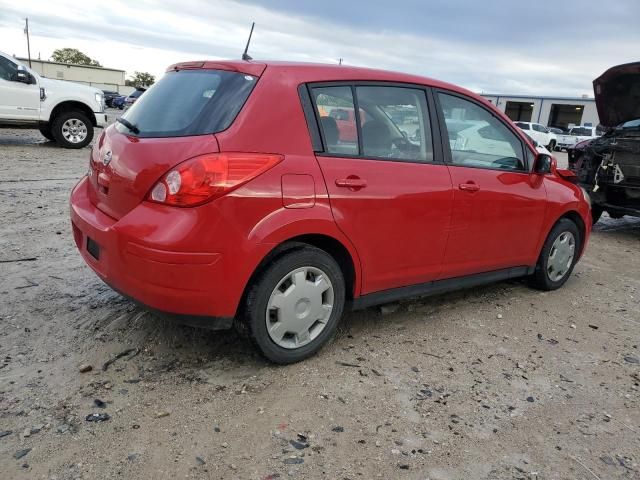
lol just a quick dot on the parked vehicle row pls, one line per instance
(228, 194)
(123, 101)
(65, 112)
(109, 95)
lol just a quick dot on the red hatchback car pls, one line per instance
(226, 196)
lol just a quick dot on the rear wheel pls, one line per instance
(292, 309)
(552, 146)
(72, 129)
(45, 130)
(558, 257)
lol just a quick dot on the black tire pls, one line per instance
(45, 130)
(552, 146)
(540, 278)
(596, 213)
(253, 318)
(57, 126)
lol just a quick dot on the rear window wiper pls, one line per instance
(128, 124)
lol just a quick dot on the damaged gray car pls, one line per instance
(608, 167)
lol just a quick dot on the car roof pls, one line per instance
(320, 72)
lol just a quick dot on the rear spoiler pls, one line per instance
(249, 68)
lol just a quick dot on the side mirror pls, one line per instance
(543, 164)
(22, 75)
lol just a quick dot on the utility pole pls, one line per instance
(26, 30)
(340, 61)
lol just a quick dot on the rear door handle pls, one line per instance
(469, 187)
(351, 182)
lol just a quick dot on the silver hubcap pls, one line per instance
(74, 130)
(299, 307)
(561, 256)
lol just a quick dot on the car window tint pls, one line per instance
(7, 69)
(335, 108)
(523, 126)
(396, 123)
(539, 128)
(189, 102)
(477, 138)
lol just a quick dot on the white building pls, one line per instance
(99, 77)
(550, 111)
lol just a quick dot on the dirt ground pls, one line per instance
(498, 382)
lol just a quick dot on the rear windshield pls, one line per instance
(189, 102)
(581, 131)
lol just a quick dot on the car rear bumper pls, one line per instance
(181, 284)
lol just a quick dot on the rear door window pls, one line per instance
(393, 122)
(190, 102)
(397, 124)
(335, 107)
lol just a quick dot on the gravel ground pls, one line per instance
(498, 382)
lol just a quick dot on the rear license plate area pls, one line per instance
(93, 248)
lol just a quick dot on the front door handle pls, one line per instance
(351, 182)
(469, 187)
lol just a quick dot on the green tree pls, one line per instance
(73, 55)
(141, 79)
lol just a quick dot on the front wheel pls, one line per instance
(558, 257)
(293, 308)
(46, 132)
(72, 129)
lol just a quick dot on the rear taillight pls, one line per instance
(206, 177)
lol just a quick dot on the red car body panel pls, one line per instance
(488, 233)
(393, 211)
(411, 224)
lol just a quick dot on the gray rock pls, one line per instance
(97, 417)
(21, 453)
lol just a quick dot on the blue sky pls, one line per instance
(520, 47)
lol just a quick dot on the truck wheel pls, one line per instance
(292, 309)
(558, 257)
(596, 213)
(72, 129)
(552, 146)
(45, 130)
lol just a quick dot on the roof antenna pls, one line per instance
(245, 55)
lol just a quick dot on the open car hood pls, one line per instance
(617, 93)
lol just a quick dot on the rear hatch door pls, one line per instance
(175, 120)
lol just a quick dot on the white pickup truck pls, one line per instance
(65, 112)
(576, 135)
